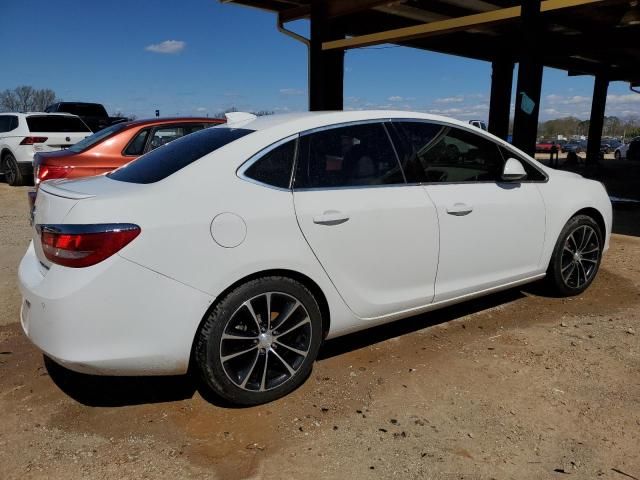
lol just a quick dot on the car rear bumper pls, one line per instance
(114, 318)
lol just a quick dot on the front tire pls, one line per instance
(259, 343)
(12, 174)
(576, 256)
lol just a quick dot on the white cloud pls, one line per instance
(291, 91)
(623, 99)
(201, 109)
(168, 46)
(456, 99)
(395, 98)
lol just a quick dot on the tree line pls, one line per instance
(26, 99)
(568, 126)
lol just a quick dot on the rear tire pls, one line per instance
(617, 155)
(259, 343)
(12, 174)
(576, 256)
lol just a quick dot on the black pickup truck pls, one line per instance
(93, 114)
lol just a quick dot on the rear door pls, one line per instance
(58, 131)
(491, 232)
(375, 236)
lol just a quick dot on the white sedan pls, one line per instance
(239, 249)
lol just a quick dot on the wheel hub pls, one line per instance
(265, 340)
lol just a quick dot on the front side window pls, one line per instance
(533, 174)
(164, 135)
(274, 168)
(168, 159)
(353, 155)
(441, 153)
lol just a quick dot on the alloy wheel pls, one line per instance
(10, 172)
(580, 257)
(265, 341)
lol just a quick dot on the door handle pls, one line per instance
(331, 217)
(459, 209)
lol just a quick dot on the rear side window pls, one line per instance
(55, 124)
(168, 159)
(8, 123)
(136, 146)
(274, 168)
(353, 155)
(440, 153)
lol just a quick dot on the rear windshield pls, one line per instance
(83, 109)
(171, 157)
(92, 140)
(55, 124)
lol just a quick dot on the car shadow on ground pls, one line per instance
(108, 391)
(398, 328)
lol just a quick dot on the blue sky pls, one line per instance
(200, 57)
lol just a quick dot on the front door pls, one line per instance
(375, 236)
(491, 232)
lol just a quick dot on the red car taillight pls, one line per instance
(79, 246)
(48, 172)
(32, 140)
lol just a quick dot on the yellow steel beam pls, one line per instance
(450, 25)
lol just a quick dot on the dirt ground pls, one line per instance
(517, 385)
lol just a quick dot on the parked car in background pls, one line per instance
(114, 146)
(93, 114)
(237, 250)
(22, 135)
(547, 146)
(576, 146)
(479, 124)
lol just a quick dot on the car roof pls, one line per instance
(164, 120)
(309, 120)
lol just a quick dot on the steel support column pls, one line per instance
(326, 68)
(596, 122)
(501, 80)
(527, 101)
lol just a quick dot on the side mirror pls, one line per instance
(513, 171)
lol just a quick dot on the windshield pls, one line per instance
(92, 140)
(173, 156)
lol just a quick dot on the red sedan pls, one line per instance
(114, 146)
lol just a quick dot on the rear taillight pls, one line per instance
(32, 140)
(79, 246)
(48, 172)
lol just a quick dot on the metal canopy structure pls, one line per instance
(583, 37)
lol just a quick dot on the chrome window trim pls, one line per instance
(242, 169)
(474, 130)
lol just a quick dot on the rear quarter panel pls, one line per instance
(175, 216)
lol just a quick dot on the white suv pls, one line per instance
(22, 135)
